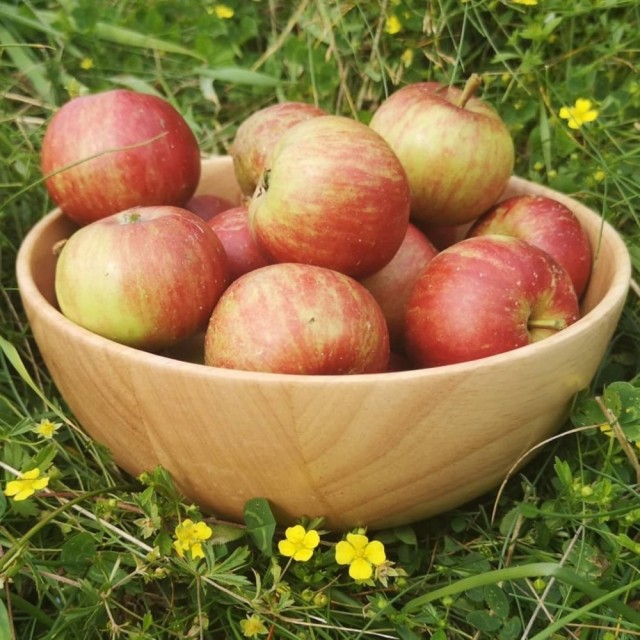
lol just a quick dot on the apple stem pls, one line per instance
(472, 85)
(58, 246)
(556, 324)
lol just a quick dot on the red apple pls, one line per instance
(443, 236)
(257, 135)
(392, 284)
(334, 195)
(456, 149)
(118, 149)
(207, 205)
(146, 277)
(297, 318)
(483, 296)
(232, 228)
(546, 223)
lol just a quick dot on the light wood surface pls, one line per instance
(374, 450)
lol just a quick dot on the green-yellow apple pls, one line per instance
(297, 319)
(483, 296)
(110, 151)
(455, 147)
(546, 223)
(334, 195)
(146, 277)
(257, 135)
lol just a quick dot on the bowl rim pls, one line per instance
(618, 290)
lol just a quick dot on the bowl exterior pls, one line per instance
(374, 450)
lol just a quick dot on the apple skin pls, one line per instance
(160, 167)
(297, 319)
(206, 205)
(257, 135)
(458, 158)
(392, 284)
(232, 228)
(483, 296)
(146, 277)
(549, 225)
(333, 195)
(444, 236)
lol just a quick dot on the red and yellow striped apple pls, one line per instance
(483, 296)
(456, 149)
(333, 195)
(298, 319)
(546, 223)
(110, 151)
(146, 277)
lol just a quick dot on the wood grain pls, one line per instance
(374, 450)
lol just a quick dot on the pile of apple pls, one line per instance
(355, 248)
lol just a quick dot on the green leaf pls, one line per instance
(511, 629)
(623, 400)
(3, 507)
(5, 623)
(483, 621)
(586, 412)
(497, 601)
(224, 533)
(44, 457)
(237, 75)
(563, 471)
(406, 535)
(261, 525)
(79, 549)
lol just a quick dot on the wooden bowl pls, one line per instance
(374, 450)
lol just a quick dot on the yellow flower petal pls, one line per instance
(295, 534)
(360, 569)
(357, 540)
(196, 551)
(345, 553)
(374, 552)
(302, 555)
(287, 548)
(26, 485)
(223, 12)
(392, 25)
(311, 539)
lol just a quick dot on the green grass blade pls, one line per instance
(533, 570)
(130, 38)
(237, 75)
(27, 64)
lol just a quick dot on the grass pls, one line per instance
(555, 553)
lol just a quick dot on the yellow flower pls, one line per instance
(223, 12)
(579, 114)
(606, 429)
(189, 536)
(360, 554)
(27, 485)
(299, 543)
(47, 429)
(86, 64)
(252, 626)
(529, 3)
(392, 24)
(599, 175)
(407, 57)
